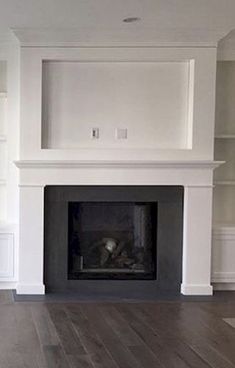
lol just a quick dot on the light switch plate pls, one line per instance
(95, 133)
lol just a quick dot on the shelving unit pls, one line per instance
(224, 177)
(223, 250)
(224, 182)
(3, 138)
(3, 155)
(7, 230)
(225, 136)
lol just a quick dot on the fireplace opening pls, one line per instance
(112, 240)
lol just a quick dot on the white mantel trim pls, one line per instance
(68, 164)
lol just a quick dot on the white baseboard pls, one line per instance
(192, 289)
(7, 285)
(224, 286)
(32, 289)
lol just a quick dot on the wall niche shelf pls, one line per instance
(3, 138)
(224, 182)
(225, 136)
(3, 154)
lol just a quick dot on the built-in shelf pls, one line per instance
(225, 136)
(3, 94)
(224, 182)
(3, 182)
(7, 227)
(223, 235)
(224, 226)
(3, 138)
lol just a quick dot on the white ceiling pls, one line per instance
(102, 19)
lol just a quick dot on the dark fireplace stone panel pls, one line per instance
(117, 241)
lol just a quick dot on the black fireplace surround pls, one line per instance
(117, 241)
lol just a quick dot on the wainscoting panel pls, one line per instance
(223, 255)
(6, 256)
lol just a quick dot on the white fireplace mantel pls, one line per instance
(194, 176)
(68, 164)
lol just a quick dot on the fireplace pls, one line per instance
(123, 241)
(112, 240)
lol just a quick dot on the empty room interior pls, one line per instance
(117, 184)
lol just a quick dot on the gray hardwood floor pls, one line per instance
(177, 334)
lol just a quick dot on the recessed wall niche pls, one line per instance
(150, 100)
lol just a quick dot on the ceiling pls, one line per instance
(171, 19)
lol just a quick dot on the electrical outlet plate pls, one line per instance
(121, 133)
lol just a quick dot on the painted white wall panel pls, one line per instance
(3, 201)
(150, 99)
(223, 255)
(6, 256)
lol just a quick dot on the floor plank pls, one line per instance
(98, 354)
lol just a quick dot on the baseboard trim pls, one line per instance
(30, 289)
(7, 285)
(224, 286)
(192, 289)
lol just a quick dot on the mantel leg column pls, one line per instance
(196, 277)
(31, 240)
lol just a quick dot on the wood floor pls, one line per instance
(116, 335)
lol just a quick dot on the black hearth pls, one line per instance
(121, 241)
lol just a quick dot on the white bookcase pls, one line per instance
(223, 254)
(7, 251)
(3, 155)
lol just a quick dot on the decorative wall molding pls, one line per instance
(223, 277)
(7, 256)
(223, 251)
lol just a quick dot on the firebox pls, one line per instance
(112, 240)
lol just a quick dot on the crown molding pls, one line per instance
(119, 37)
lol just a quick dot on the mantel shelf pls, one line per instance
(69, 164)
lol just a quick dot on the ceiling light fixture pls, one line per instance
(131, 19)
